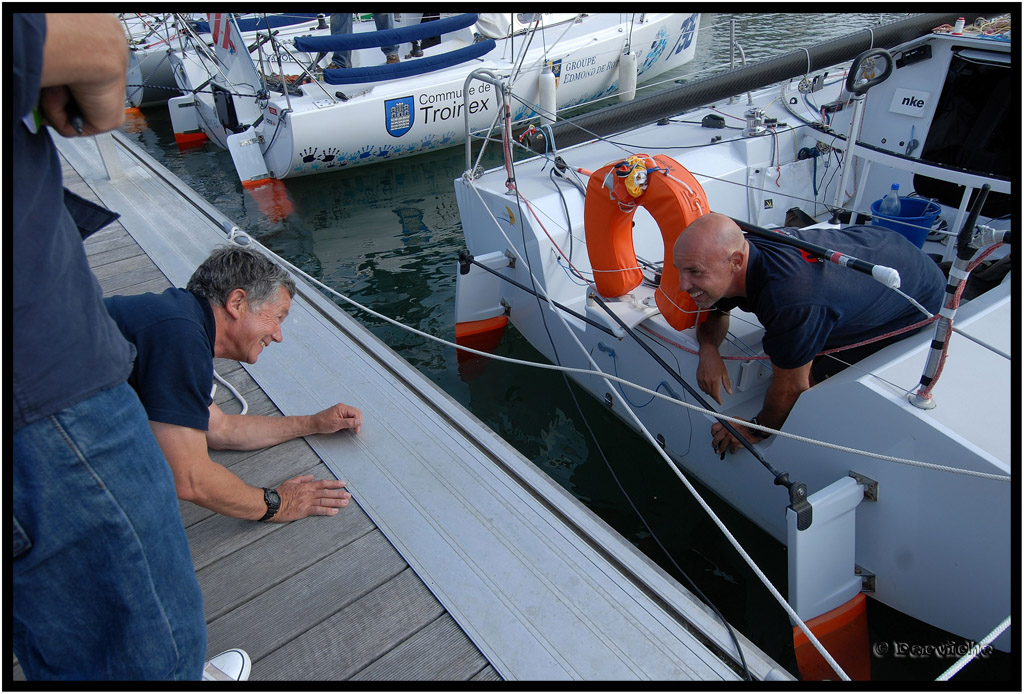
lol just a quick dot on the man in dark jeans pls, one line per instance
(103, 582)
(341, 23)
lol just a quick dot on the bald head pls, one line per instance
(711, 257)
(713, 233)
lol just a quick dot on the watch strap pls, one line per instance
(273, 501)
(757, 432)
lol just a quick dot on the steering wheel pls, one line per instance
(865, 62)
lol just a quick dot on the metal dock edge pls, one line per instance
(541, 586)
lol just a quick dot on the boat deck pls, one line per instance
(457, 560)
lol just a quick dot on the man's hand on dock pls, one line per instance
(336, 418)
(303, 496)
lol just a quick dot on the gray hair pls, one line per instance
(235, 267)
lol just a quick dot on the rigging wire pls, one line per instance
(696, 495)
(744, 423)
(590, 372)
(728, 535)
(522, 225)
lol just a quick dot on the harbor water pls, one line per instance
(388, 235)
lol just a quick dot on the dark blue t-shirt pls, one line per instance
(174, 334)
(65, 347)
(808, 306)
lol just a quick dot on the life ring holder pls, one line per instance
(672, 196)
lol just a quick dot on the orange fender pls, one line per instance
(271, 197)
(673, 197)
(844, 634)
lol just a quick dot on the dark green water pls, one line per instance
(388, 235)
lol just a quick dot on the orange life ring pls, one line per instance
(674, 199)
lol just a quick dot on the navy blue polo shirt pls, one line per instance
(809, 306)
(65, 347)
(174, 333)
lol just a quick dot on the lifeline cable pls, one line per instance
(589, 372)
(522, 224)
(707, 509)
(797, 491)
(974, 651)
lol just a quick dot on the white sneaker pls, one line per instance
(229, 666)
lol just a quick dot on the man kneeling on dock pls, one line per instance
(232, 308)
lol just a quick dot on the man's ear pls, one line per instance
(736, 260)
(235, 302)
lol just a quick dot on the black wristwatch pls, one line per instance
(757, 432)
(273, 501)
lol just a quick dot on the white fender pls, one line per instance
(546, 96)
(627, 76)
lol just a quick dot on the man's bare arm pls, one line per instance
(712, 374)
(252, 432)
(781, 396)
(200, 480)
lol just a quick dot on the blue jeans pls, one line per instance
(104, 586)
(341, 23)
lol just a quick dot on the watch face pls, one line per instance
(273, 499)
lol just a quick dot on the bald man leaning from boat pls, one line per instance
(232, 308)
(805, 305)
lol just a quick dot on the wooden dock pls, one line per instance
(457, 559)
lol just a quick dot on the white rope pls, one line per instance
(973, 652)
(675, 469)
(235, 234)
(231, 388)
(808, 53)
(677, 306)
(636, 386)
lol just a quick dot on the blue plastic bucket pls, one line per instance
(917, 216)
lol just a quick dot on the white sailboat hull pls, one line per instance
(330, 127)
(937, 543)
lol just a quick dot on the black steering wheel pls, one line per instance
(861, 86)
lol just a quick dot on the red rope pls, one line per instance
(893, 333)
(926, 391)
(954, 304)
